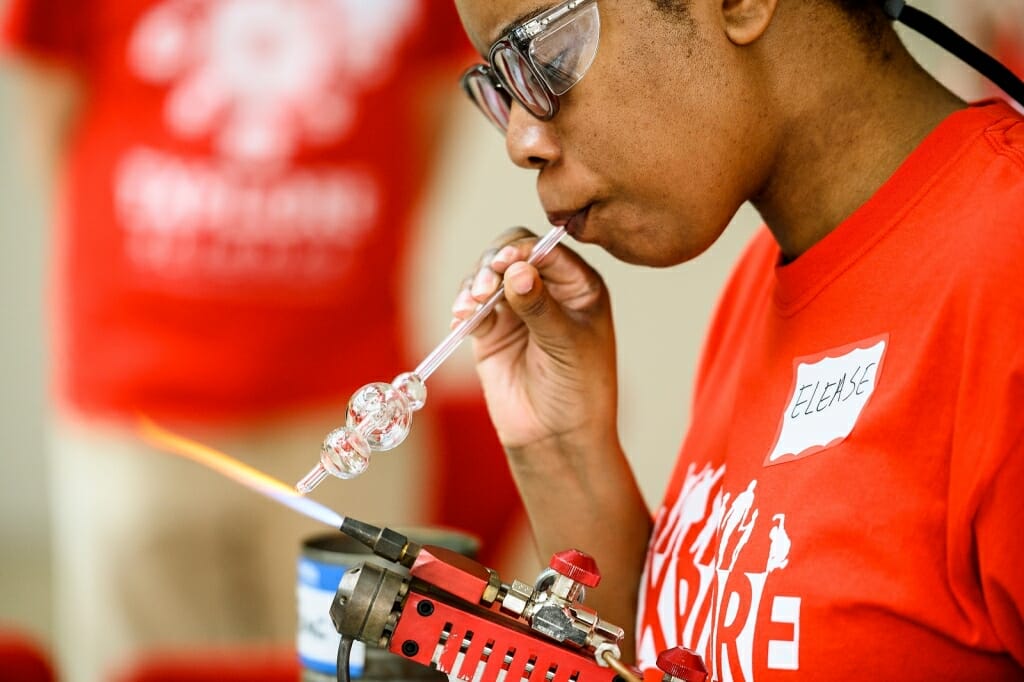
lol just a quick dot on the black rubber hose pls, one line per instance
(957, 45)
(344, 651)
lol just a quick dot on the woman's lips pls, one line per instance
(576, 223)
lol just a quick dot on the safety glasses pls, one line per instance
(536, 62)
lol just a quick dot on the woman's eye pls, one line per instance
(559, 68)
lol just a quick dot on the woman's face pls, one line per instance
(657, 146)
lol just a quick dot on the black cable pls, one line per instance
(957, 45)
(344, 651)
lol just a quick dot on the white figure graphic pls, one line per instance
(736, 521)
(778, 554)
(719, 606)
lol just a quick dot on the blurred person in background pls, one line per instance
(238, 183)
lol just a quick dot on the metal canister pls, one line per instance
(323, 561)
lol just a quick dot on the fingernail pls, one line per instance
(505, 256)
(485, 283)
(520, 279)
(463, 303)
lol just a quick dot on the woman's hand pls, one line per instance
(546, 355)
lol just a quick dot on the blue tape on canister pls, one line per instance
(323, 562)
(317, 640)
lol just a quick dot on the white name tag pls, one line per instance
(829, 393)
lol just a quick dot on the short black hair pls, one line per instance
(868, 15)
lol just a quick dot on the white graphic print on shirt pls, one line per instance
(693, 593)
(263, 79)
(265, 76)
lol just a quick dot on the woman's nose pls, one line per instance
(530, 142)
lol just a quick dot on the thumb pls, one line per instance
(533, 304)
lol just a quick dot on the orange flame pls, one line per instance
(237, 471)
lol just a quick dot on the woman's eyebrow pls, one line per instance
(521, 19)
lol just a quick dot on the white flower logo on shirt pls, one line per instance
(266, 76)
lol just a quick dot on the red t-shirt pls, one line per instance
(237, 195)
(847, 504)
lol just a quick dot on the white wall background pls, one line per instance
(24, 534)
(661, 316)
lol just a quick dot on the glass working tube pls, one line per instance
(379, 415)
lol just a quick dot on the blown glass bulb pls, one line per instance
(381, 413)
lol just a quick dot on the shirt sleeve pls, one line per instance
(47, 29)
(986, 477)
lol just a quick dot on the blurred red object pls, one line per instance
(469, 452)
(22, 660)
(224, 665)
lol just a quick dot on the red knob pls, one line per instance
(576, 565)
(683, 664)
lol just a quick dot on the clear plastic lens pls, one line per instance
(518, 77)
(565, 50)
(494, 103)
(561, 45)
(499, 106)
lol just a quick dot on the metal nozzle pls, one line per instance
(383, 542)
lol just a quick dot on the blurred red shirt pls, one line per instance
(237, 197)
